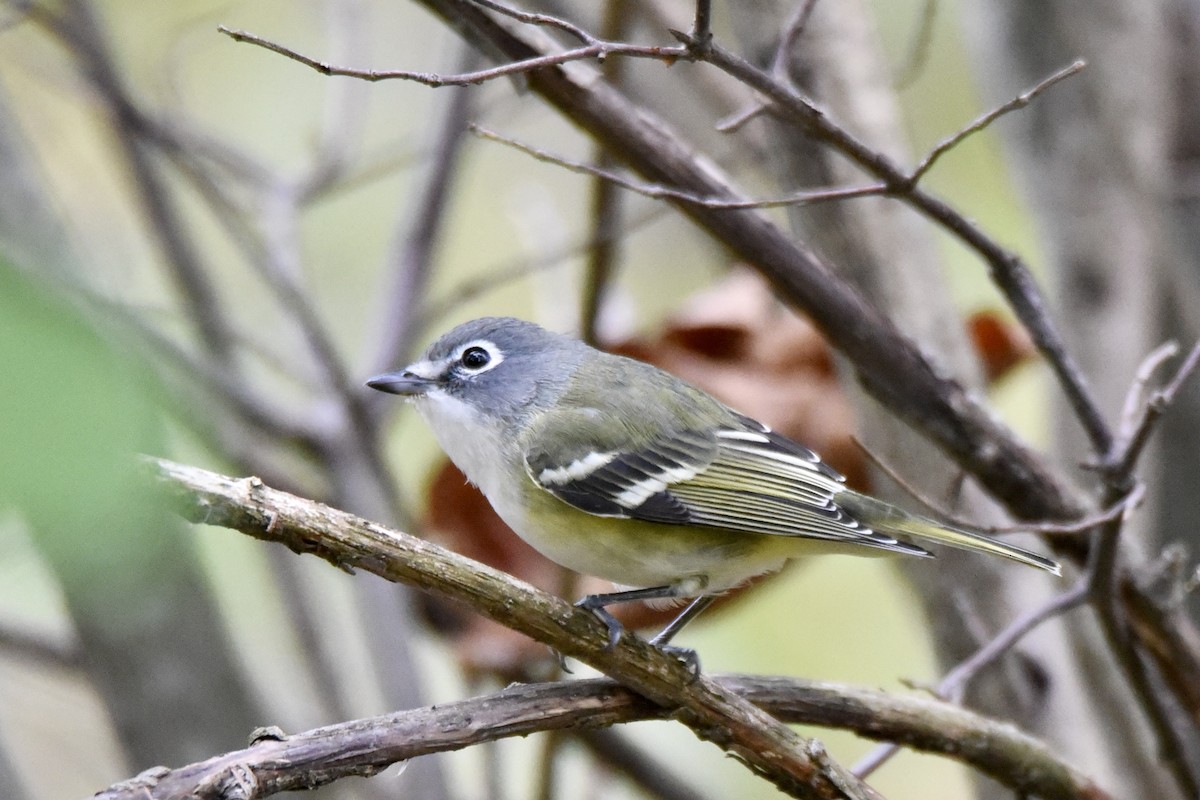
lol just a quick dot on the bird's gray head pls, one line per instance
(499, 366)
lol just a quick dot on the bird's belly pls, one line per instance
(643, 554)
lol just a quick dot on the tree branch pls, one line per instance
(367, 746)
(714, 713)
(594, 49)
(657, 192)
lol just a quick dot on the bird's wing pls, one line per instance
(742, 477)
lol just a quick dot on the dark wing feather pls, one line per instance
(740, 477)
(627, 483)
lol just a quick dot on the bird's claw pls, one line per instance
(685, 654)
(562, 661)
(614, 626)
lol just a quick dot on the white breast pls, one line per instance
(481, 447)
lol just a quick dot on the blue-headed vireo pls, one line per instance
(614, 468)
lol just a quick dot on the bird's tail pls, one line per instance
(889, 519)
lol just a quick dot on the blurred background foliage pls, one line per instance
(127, 641)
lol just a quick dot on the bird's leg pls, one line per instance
(685, 654)
(693, 610)
(596, 604)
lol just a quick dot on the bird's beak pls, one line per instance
(404, 382)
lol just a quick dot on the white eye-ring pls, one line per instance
(479, 356)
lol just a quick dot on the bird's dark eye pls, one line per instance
(475, 358)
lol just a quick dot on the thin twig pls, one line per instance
(735, 121)
(597, 49)
(658, 192)
(953, 685)
(793, 29)
(1018, 102)
(1066, 528)
(1135, 398)
(1139, 431)
(546, 20)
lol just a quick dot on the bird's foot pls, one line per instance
(595, 604)
(687, 655)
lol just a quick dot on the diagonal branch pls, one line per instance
(713, 712)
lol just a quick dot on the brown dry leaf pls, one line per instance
(1001, 344)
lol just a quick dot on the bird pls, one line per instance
(614, 468)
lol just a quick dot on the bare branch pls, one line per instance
(1106, 585)
(793, 29)
(702, 26)
(1018, 102)
(540, 19)
(365, 747)
(954, 684)
(597, 50)
(657, 192)
(1068, 528)
(735, 121)
(1135, 397)
(1136, 434)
